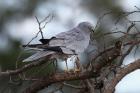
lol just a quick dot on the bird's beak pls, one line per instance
(92, 32)
(92, 29)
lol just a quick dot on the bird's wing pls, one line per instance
(61, 39)
(38, 56)
(70, 40)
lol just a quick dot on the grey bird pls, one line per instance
(64, 44)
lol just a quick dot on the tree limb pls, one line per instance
(60, 77)
(110, 87)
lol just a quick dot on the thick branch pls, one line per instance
(107, 57)
(110, 87)
(60, 77)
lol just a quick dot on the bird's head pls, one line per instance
(86, 26)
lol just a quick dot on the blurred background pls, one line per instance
(18, 26)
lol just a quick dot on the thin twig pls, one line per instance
(100, 18)
(137, 8)
(40, 29)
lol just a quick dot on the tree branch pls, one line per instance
(60, 77)
(110, 87)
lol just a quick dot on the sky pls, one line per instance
(27, 28)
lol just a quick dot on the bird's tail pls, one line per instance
(38, 56)
(36, 47)
(31, 45)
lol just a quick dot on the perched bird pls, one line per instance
(64, 44)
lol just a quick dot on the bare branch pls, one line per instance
(60, 77)
(46, 22)
(137, 7)
(125, 14)
(101, 17)
(40, 29)
(45, 18)
(110, 87)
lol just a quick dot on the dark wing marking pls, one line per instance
(32, 45)
(46, 41)
(55, 49)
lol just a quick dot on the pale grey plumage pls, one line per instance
(74, 41)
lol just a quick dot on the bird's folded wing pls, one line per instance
(38, 56)
(67, 38)
(72, 40)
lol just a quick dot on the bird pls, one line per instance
(64, 44)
